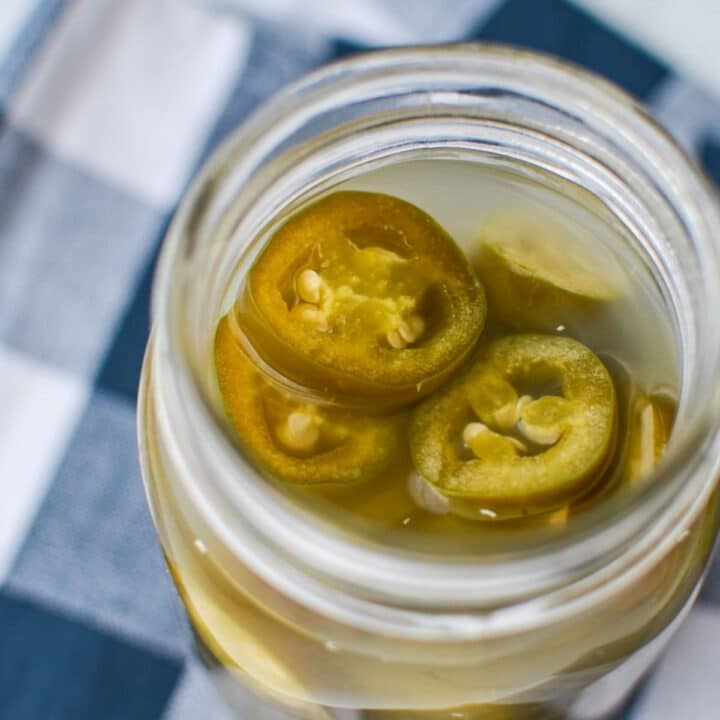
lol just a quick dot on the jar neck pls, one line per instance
(505, 106)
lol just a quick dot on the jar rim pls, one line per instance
(658, 515)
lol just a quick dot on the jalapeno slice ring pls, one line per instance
(649, 427)
(363, 293)
(534, 276)
(531, 424)
(295, 440)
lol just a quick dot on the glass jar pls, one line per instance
(320, 626)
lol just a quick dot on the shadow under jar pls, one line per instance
(324, 618)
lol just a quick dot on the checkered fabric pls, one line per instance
(106, 109)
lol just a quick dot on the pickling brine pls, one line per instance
(440, 349)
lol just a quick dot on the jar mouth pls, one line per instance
(454, 82)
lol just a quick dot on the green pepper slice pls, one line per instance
(291, 438)
(533, 275)
(365, 294)
(649, 427)
(531, 424)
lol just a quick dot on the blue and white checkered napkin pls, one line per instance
(106, 109)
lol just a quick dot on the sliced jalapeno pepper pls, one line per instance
(530, 425)
(295, 440)
(650, 423)
(533, 276)
(363, 293)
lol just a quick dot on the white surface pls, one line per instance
(679, 688)
(683, 33)
(13, 13)
(40, 406)
(139, 113)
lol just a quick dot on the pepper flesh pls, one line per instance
(534, 277)
(572, 433)
(293, 439)
(365, 294)
(650, 423)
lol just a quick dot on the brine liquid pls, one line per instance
(631, 333)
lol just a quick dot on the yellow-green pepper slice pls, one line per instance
(650, 423)
(534, 275)
(363, 293)
(293, 439)
(531, 424)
